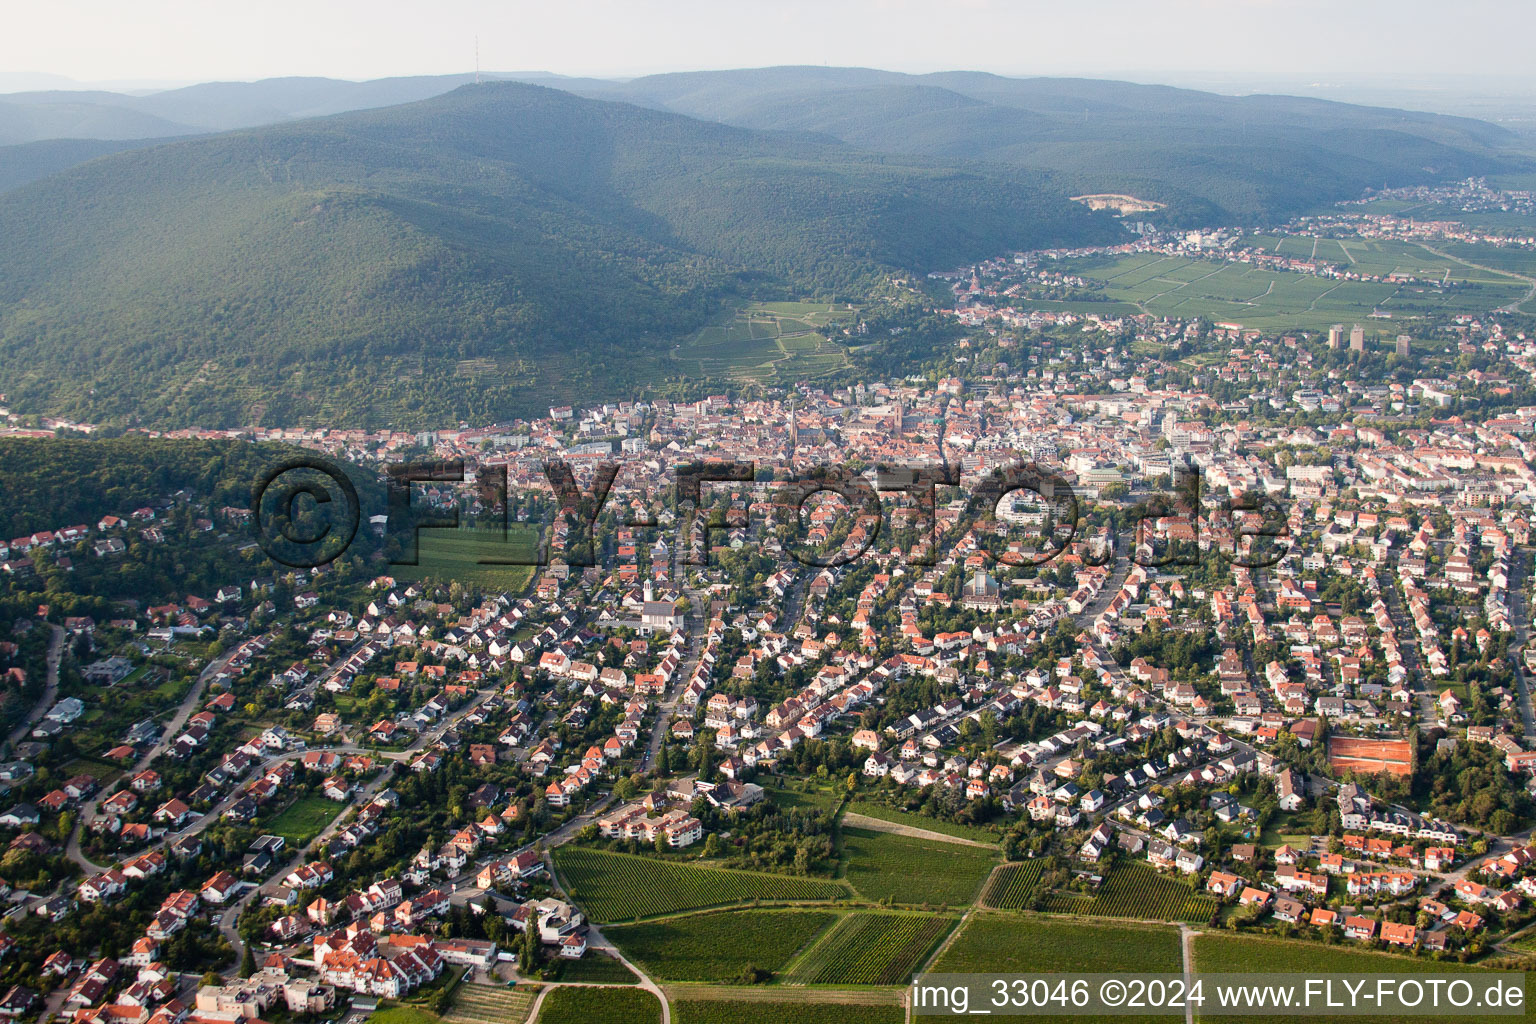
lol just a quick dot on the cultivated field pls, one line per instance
(597, 969)
(1275, 300)
(469, 555)
(923, 821)
(102, 773)
(1066, 903)
(1517, 261)
(1013, 885)
(777, 342)
(871, 948)
(882, 866)
(579, 1005)
(404, 1015)
(720, 1011)
(491, 1004)
(622, 887)
(1217, 953)
(718, 946)
(1135, 890)
(1385, 257)
(1008, 943)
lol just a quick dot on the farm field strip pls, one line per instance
(1066, 903)
(922, 821)
(720, 1011)
(1216, 953)
(570, 1004)
(882, 865)
(780, 994)
(1515, 261)
(597, 969)
(719, 946)
(1135, 265)
(462, 555)
(766, 341)
(1266, 299)
(871, 948)
(620, 886)
(491, 1004)
(1137, 891)
(1007, 943)
(1013, 885)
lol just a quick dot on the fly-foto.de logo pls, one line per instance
(306, 513)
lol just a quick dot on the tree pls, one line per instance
(247, 962)
(530, 953)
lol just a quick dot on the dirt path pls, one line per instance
(597, 941)
(895, 828)
(1187, 951)
(1142, 305)
(949, 940)
(1312, 306)
(1264, 294)
(645, 983)
(942, 947)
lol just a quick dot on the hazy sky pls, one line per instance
(199, 40)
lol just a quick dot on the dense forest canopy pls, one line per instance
(50, 483)
(1209, 158)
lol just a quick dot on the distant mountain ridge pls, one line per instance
(209, 106)
(1207, 157)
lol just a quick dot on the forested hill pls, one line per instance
(475, 255)
(51, 483)
(1211, 158)
(27, 162)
